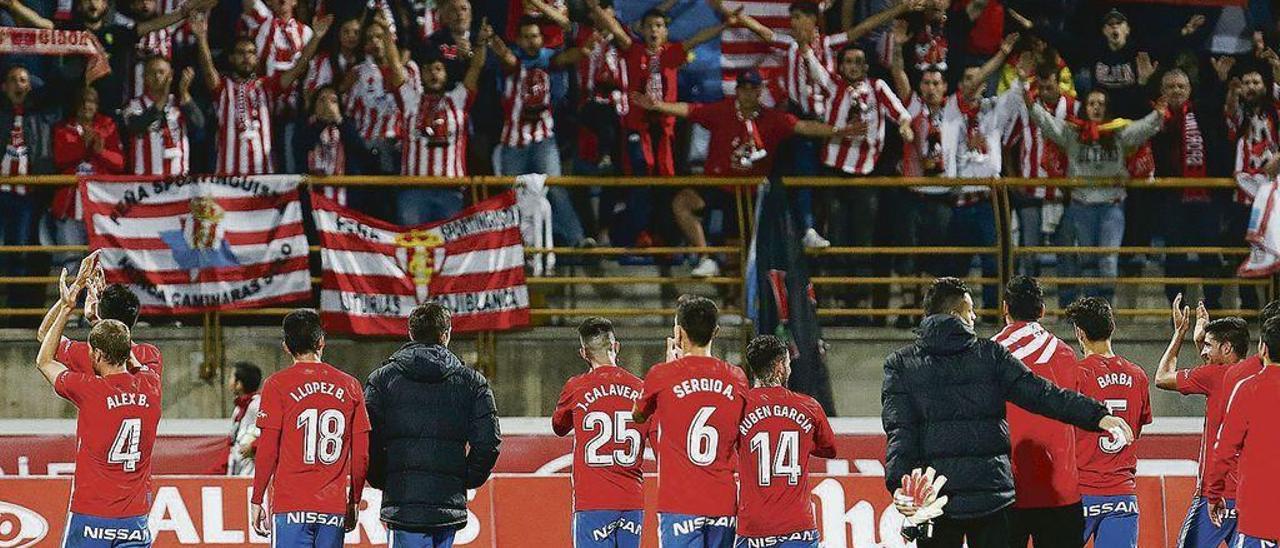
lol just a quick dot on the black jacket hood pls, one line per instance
(944, 335)
(426, 362)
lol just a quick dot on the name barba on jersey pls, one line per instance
(690, 386)
(608, 390)
(317, 387)
(781, 411)
(1115, 379)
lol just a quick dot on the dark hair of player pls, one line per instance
(120, 304)
(429, 323)
(302, 331)
(944, 296)
(1025, 298)
(596, 335)
(1233, 330)
(526, 20)
(654, 12)
(807, 7)
(1093, 316)
(111, 337)
(1045, 71)
(1271, 310)
(248, 375)
(763, 354)
(848, 48)
(1271, 337)
(698, 317)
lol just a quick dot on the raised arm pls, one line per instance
(705, 35)
(471, 80)
(84, 276)
(46, 359)
(882, 18)
(321, 27)
(1133, 135)
(560, 18)
(609, 23)
(25, 16)
(174, 17)
(993, 64)
(200, 27)
(396, 73)
(1167, 371)
(505, 57)
(756, 27)
(897, 66)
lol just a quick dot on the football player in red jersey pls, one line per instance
(1223, 344)
(1107, 464)
(1248, 442)
(608, 485)
(696, 402)
(115, 430)
(779, 430)
(102, 302)
(314, 447)
(1047, 508)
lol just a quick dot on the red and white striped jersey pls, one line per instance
(526, 105)
(320, 71)
(435, 141)
(244, 125)
(327, 156)
(801, 80)
(1257, 137)
(602, 73)
(873, 102)
(1038, 157)
(373, 108)
(15, 160)
(163, 149)
(155, 44)
(280, 41)
(923, 157)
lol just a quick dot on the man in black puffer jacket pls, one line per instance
(944, 407)
(435, 433)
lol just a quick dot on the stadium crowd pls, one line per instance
(970, 88)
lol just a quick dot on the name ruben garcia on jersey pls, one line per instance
(782, 411)
(691, 386)
(601, 391)
(1110, 379)
(127, 398)
(317, 387)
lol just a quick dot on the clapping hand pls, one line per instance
(1181, 317)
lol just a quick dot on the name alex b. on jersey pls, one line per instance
(317, 387)
(691, 386)
(127, 398)
(598, 392)
(782, 411)
(1111, 379)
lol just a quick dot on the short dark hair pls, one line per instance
(944, 295)
(595, 334)
(1271, 337)
(654, 12)
(1271, 310)
(429, 322)
(248, 375)
(848, 48)
(117, 302)
(111, 337)
(1046, 71)
(302, 331)
(528, 19)
(807, 7)
(1025, 298)
(1093, 316)
(698, 317)
(763, 352)
(1233, 330)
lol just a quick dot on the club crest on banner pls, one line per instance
(420, 252)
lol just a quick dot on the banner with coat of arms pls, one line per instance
(195, 244)
(375, 273)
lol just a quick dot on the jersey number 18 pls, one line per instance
(321, 435)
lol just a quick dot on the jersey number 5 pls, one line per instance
(1107, 443)
(124, 450)
(611, 428)
(321, 435)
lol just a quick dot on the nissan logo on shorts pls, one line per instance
(20, 526)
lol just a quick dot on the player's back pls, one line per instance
(1043, 450)
(75, 355)
(1108, 466)
(115, 433)
(608, 445)
(779, 430)
(697, 403)
(316, 408)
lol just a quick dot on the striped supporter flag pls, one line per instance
(196, 244)
(375, 273)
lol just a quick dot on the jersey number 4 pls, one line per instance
(785, 462)
(612, 428)
(322, 435)
(124, 450)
